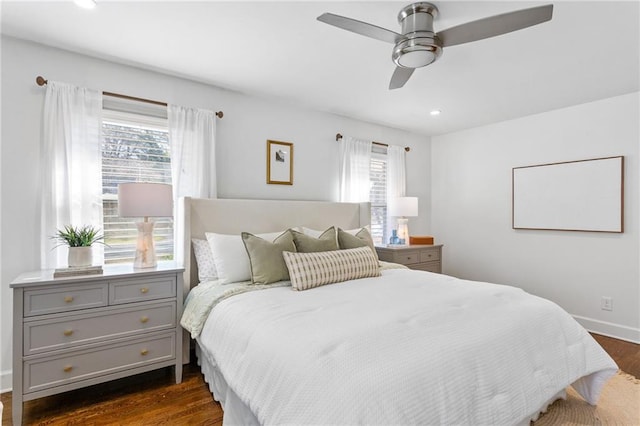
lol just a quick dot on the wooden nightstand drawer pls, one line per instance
(64, 298)
(56, 333)
(429, 266)
(422, 257)
(50, 372)
(429, 255)
(407, 258)
(137, 290)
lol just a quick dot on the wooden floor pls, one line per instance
(154, 399)
(625, 354)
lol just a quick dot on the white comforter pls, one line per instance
(409, 347)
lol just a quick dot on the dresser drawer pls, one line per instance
(82, 365)
(65, 298)
(429, 255)
(137, 290)
(73, 330)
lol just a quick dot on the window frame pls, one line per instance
(137, 118)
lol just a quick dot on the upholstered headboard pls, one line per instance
(229, 216)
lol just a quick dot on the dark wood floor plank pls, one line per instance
(153, 398)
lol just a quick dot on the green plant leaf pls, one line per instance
(78, 236)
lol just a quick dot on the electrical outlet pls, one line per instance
(606, 303)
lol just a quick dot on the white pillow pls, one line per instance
(230, 256)
(204, 260)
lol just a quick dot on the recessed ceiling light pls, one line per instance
(85, 4)
(435, 112)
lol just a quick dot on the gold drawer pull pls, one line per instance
(144, 352)
(68, 368)
(68, 299)
(68, 332)
(144, 290)
(144, 319)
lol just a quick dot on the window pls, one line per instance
(378, 196)
(135, 148)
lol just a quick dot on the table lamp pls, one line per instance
(403, 207)
(137, 199)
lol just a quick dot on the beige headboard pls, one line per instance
(230, 216)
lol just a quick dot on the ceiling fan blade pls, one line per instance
(400, 77)
(360, 27)
(495, 25)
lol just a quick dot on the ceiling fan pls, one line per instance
(418, 45)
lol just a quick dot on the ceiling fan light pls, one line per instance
(416, 52)
(416, 58)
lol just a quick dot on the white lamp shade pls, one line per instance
(403, 206)
(145, 199)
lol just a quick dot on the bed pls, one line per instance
(402, 347)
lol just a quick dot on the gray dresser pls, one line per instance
(425, 258)
(73, 332)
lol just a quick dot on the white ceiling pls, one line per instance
(588, 51)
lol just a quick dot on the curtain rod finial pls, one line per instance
(40, 80)
(407, 149)
(338, 137)
(219, 114)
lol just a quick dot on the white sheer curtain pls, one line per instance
(396, 178)
(192, 137)
(193, 151)
(355, 164)
(71, 167)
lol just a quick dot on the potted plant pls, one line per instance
(79, 239)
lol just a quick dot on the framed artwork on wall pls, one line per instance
(582, 195)
(279, 163)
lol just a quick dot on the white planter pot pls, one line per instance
(80, 256)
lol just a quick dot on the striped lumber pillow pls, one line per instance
(309, 270)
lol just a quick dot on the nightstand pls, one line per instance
(425, 258)
(78, 331)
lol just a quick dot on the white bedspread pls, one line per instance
(409, 347)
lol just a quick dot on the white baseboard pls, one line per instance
(6, 381)
(609, 329)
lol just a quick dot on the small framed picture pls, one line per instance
(279, 163)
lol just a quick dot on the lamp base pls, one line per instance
(145, 250)
(403, 231)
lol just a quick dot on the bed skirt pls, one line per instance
(236, 412)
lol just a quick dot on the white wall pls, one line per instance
(248, 122)
(471, 211)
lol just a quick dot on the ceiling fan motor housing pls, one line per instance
(419, 46)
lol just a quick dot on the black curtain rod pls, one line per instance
(41, 82)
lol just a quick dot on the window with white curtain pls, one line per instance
(135, 148)
(378, 195)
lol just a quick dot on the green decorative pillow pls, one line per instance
(361, 238)
(309, 270)
(265, 258)
(327, 241)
